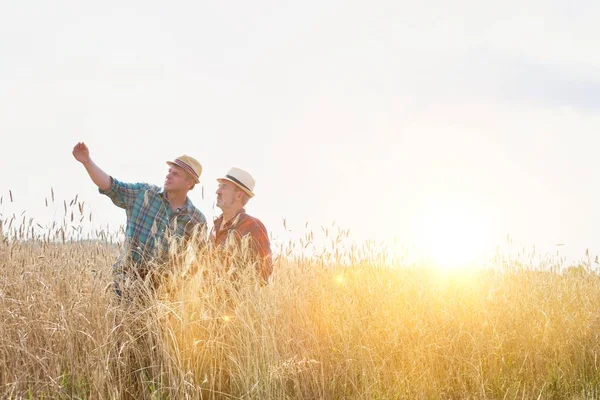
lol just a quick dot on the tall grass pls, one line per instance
(322, 329)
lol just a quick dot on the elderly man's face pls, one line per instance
(177, 179)
(228, 195)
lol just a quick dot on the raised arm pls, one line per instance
(99, 177)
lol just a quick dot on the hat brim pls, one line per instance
(196, 180)
(248, 192)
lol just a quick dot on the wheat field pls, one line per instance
(324, 329)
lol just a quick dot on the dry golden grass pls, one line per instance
(320, 330)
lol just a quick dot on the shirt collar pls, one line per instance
(188, 208)
(232, 222)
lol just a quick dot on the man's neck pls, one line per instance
(230, 214)
(176, 199)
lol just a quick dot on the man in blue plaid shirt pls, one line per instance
(157, 218)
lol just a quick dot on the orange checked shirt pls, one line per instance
(243, 225)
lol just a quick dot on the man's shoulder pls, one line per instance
(117, 185)
(149, 191)
(141, 186)
(249, 222)
(152, 188)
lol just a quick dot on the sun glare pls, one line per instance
(453, 237)
(226, 318)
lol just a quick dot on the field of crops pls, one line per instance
(320, 330)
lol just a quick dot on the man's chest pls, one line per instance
(155, 216)
(228, 234)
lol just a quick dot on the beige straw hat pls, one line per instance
(241, 179)
(190, 165)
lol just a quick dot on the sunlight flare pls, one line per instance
(453, 237)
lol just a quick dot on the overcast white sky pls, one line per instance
(377, 115)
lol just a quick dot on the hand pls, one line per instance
(81, 153)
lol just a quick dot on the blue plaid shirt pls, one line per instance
(150, 220)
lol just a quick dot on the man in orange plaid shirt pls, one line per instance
(235, 189)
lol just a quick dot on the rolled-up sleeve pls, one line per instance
(124, 194)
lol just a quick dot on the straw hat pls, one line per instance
(189, 165)
(241, 179)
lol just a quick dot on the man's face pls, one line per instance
(227, 195)
(177, 179)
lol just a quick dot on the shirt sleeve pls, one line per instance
(262, 248)
(196, 228)
(124, 194)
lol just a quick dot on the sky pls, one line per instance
(430, 122)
